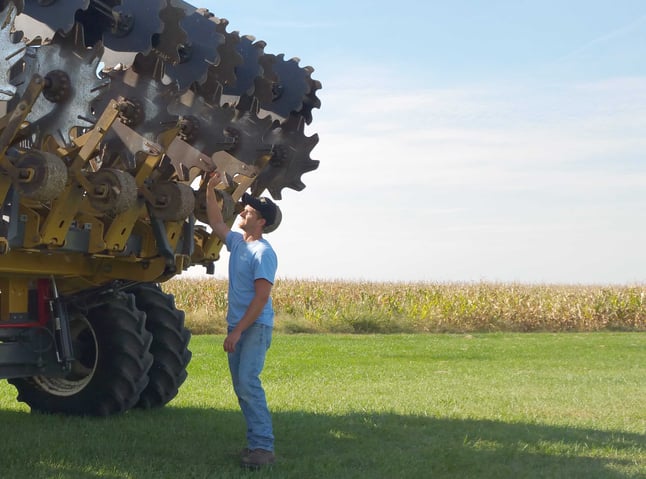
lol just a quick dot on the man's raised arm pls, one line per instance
(220, 228)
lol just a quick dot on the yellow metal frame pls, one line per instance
(14, 297)
(46, 226)
(66, 206)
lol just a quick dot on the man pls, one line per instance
(250, 315)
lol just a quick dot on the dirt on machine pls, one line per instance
(113, 115)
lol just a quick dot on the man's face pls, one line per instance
(249, 218)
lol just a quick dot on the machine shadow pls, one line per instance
(200, 443)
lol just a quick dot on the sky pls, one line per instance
(465, 141)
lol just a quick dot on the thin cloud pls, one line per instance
(628, 29)
(496, 140)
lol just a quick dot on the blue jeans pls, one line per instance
(246, 364)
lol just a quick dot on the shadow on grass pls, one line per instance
(199, 443)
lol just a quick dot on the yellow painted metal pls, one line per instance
(46, 226)
(31, 220)
(212, 248)
(130, 268)
(66, 206)
(200, 237)
(43, 263)
(147, 167)
(144, 232)
(5, 185)
(13, 296)
(10, 126)
(96, 228)
(15, 121)
(121, 227)
(92, 138)
(95, 269)
(173, 232)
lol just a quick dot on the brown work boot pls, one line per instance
(258, 458)
(245, 452)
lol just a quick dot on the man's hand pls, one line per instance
(213, 212)
(214, 180)
(231, 340)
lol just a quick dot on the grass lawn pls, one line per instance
(374, 406)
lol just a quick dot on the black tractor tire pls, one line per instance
(112, 357)
(169, 347)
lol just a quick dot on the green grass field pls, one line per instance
(532, 405)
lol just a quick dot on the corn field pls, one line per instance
(364, 307)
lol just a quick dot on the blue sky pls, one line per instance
(465, 140)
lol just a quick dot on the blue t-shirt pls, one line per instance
(247, 263)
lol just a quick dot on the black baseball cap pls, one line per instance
(267, 209)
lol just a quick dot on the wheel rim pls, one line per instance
(86, 354)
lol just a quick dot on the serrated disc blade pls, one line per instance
(44, 20)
